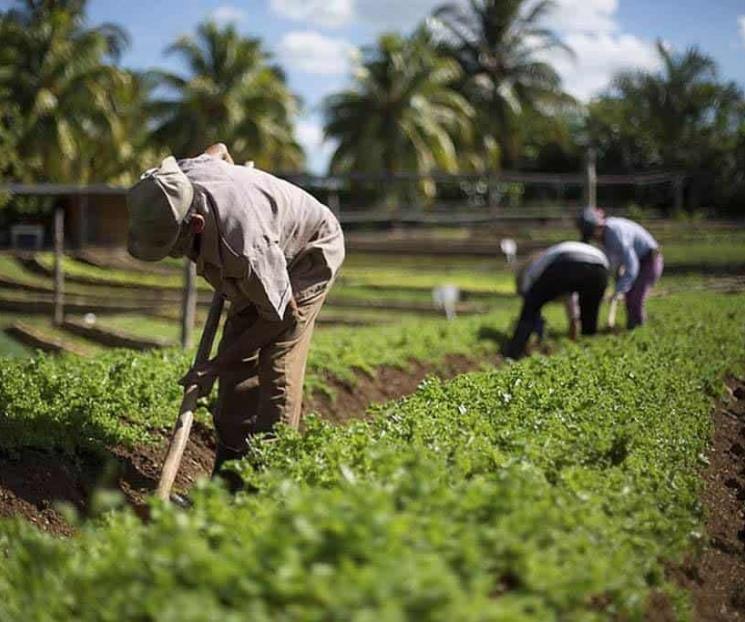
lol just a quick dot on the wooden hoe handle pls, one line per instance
(189, 404)
(613, 308)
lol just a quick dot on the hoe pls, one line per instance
(612, 312)
(181, 431)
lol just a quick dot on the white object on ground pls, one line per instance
(89, 318)
(446, 297)
(509, 248)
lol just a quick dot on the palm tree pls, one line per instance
(231, 94)
(682, 117)
(500, 45)
(681, 111)
(402, 114)
(120, 153)
(59, 80)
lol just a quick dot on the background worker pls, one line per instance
(273, 250)
(564, 269)
(634, 256)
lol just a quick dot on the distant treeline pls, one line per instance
(471, 90)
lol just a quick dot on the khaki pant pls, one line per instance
(267, 386)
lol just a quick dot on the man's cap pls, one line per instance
(588, 220)
(157, 205)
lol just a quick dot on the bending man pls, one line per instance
(564, 269)
(273, 250)
(634, 256)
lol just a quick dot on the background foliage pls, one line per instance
(472, 89)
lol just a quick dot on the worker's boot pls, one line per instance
(515, 348)
(233, 482)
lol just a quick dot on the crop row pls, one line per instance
(118, 397)
(546, 490)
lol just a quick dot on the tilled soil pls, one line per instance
(33, 483)
(715, 577)
(351, 401)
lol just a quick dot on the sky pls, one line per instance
(318, 41)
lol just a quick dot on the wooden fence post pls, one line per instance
(333, 199)
(188, 303)
(591, 179)
(83, 224)
(678, 194)
(59, 275)
(493, 195)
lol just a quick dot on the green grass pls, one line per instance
(488, 281)
(143, 325)
(717, 252)
(394, 275)
(10, 347)
(552, 489)
(44, 325)
(81, 269)
(11, 268)
(439, 263)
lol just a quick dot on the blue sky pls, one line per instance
(316, 40)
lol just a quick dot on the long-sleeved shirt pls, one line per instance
(626, 243)
(265, 240)
(565, 251)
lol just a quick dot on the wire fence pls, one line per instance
(96, 214)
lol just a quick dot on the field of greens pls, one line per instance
(70, 403)
(550, 489)
(368, 292)
(372, 289)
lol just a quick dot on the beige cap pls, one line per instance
(157, 205)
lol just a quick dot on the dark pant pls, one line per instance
(560, 279)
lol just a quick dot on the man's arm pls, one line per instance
(630, 265)
(258, 335)
(266, 328)
(219, 151)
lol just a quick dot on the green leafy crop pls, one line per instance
(120, 397)
(551, 489)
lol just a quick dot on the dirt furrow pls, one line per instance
(33, 483)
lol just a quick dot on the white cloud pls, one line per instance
(592, 16)
(376, 14)
(591, 29)
(314, 53)
(570, 15)
(227, 13)
(310, 133)
(328, 13)
(395, 14)
(741, 23)
(317, 150)
(599, 57)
